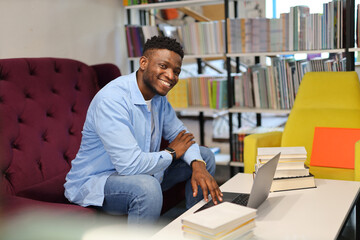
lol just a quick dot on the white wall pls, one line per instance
(87, 30)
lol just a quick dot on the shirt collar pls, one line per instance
(138, 98)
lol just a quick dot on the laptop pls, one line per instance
(259, 191)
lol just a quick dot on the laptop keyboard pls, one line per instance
(242, 199)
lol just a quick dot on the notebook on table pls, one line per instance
(260, 189)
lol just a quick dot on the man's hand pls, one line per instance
(202, 177)
(182, 142)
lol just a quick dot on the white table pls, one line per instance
(317, 213)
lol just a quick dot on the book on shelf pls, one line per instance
(293, 183)
(239, 136)
(196, 38)
(276, 86)
(201, 91)
(223, 221)
(297, 30)
(178, 96)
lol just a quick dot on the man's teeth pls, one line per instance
(165, 83)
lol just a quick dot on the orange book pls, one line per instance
(334, 147)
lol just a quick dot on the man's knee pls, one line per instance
(149, 186)
(209, 158)
(149, 196)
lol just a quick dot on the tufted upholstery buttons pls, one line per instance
(39, 165)
(27, 95)
(3, 75)
(15, 146)
(73, 109)
(40, 137)
(71, 132)
(44, 137)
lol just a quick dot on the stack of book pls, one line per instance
(291, 172)
(223, 221)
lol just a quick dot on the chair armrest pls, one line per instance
(357, 161)
(253, 141)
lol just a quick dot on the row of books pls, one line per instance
(239, 136)
(197, 38)
(291, 172)
(293, 31)
(202, 91)
(136, 37)
(203, 37)
(275, 86)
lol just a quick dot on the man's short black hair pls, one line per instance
(160, 42)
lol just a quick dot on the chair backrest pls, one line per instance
(43, 105)
(324, 99)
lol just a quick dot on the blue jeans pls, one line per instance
(140, 196)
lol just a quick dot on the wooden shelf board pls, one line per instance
(236, 164)
(219, 55)
(354, 49)
(174, 4)
(258, 110)
(200, 109)
(284, 53)
(222, 159)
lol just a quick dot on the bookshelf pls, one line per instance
(266, 54)
(145, 11)
(347, 50)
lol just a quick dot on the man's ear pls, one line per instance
(143, 62)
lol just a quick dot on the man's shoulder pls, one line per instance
(117, 88)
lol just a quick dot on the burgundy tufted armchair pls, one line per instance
(43, 104)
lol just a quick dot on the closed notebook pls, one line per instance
(222, 217)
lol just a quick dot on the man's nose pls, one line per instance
(170, 74)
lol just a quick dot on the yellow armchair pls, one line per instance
(324, 99)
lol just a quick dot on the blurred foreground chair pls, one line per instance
(324, 99)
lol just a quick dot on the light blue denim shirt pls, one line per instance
(116, 138)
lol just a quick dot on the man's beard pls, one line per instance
(151, 87)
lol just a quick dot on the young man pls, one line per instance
(119, 166)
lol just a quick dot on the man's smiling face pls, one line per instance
(161, 69)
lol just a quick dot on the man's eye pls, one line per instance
(162, 66)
